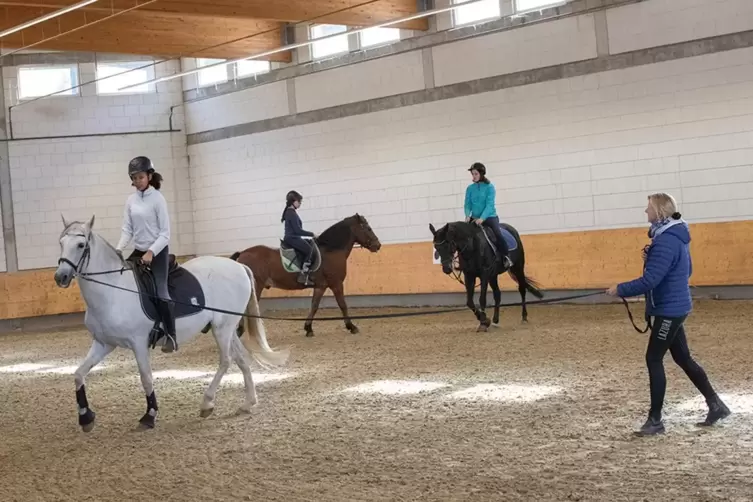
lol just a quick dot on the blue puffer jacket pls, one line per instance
(480, 200)
(666, 273)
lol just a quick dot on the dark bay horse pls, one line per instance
(276, 268)
(478, 260)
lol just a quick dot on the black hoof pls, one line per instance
(309, 334)
(353, 329)
(147, 421)
(86, 421)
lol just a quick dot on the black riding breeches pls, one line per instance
(669, 334)
(301, 245)
(160, 267)
(493, 223)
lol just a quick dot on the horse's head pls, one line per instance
(75, 248)
(444, 246)
(364, 235)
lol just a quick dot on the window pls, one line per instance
(251, 67)
(525, 5)
(36, 81)
(119, 78)
(379, 36)
(481, 11)
(331, 46)
(211, 76)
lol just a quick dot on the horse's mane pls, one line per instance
(338, 236)
(461, 230)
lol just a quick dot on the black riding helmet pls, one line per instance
(478, 166)
(140, 164)
(293, 196)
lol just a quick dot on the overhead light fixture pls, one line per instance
(46, 17)
(289, 47)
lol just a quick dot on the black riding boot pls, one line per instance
(168, 320)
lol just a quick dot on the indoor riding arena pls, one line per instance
(373, 112)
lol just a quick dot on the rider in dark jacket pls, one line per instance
(294, 233)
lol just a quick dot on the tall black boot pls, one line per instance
(168, 320)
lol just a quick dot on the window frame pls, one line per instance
(237, 75)
(213, 61)
(548, 5)
(127, 65)
(313, 40)
(390, 41)
(456, 22)
(73, 68)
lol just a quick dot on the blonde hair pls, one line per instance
(664, 205)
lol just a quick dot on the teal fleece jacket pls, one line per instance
(479, 201)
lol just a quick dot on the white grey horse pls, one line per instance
(116, 318)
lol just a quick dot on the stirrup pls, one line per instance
(171, 344)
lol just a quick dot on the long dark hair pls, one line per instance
(290, 198)
(156, 180)
(287, 206)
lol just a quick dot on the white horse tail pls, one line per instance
(256, 338)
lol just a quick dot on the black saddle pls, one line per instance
(185, 290)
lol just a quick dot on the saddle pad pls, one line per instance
(182, 286)
(512, 244)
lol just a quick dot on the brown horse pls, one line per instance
(328, 271)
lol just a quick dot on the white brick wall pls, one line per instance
(371, 79)
(257, 103)
(536, 46)
(87, 175)
(580, 153)
(660, 22)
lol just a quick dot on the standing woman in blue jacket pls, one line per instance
(294, 233)
(665, 282)
(480, 207)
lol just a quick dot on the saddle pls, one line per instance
(292, 259)
(185, 291)
(512, 244)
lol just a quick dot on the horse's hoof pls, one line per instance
(309, 334)
(353, 330)
(482, 329)
(524, 321)
(245, 409)
(206, 413)
(147, 421)
(86, 421)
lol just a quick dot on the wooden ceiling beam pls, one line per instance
(281, 11)
(148, 33)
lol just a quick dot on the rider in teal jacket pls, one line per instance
(480, 206)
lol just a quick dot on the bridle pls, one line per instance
(85, 256)
(83, 262)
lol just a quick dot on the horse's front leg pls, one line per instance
(141, 352)
(494, 282)
(339, 293)
(485, 322)
(97, 353)
(470, 282)
(316, 299)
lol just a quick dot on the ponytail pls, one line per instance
(287, 206)
(156, 180)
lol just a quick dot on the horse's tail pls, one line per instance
(257, 345)
(235, 255)
(531, 285)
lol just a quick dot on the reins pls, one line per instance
(87, 276)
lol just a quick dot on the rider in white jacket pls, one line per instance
(147, 223)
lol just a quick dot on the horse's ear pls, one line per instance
(89, 225)
(65, 223)
(433, 230)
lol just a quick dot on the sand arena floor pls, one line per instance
(418, 408)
